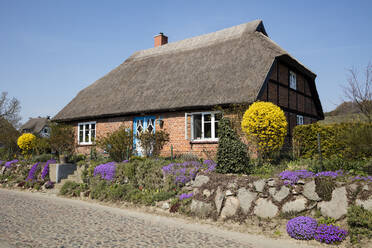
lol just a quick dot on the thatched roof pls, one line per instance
(35, 125)
(224, 67)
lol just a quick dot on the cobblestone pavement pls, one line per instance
(35, 220)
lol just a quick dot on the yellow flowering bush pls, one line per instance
(26, 142)
(265, 125)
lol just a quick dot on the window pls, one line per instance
(292, 80)
(300, 120)
(204, 126)
(87, 133)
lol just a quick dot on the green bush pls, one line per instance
(360, 223)
(62, 138)
(42, 146)
(71, 188)
(232, 154)
(118, 144)
(152, 143)
(324, 187)
(42, 157)
(345, 140)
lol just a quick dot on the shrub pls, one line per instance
(41, 146)
(359, 221)
(265, 125)
(152, 143)
(118, 144)
(329, 234)
(26, 142)
(302, 228)
(72, 188)
(232, 154)
(62, 138)
(345, 140)
(8, 138)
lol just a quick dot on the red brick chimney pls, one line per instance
(160, 40)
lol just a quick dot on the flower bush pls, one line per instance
(45, 171)
(185, 196)
(26, 142)
(265, 125)
(187, 171)
(302, 228)
(31, 174)
(106, 171)
(329, 234)
(291, 177)
(10, 163)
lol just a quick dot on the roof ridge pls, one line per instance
(200, 40)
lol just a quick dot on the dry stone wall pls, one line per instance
(230, 196)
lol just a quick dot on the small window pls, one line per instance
(292, 80)
(300, 120)
(87, 133)
(204, 126)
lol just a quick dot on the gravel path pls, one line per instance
(37, 220)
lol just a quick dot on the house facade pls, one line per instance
(175, 87)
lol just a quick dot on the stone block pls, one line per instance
(279, 195)
(230, 208)
(265, 208)
(246, 198)
(298, 205)
(199, 181)
(201, 209)
(309, 191)
(259, 185)
(337, 207)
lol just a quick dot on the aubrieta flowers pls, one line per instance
(291, 177)
(106, 171)
(31, 174)
(10, 163)
(187, 171)
(329, 234)
(185, 196)
(302, 228)
(46, 168)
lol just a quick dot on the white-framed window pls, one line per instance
(292, 80)
(300, 120)
(204, 126)
(86, 133)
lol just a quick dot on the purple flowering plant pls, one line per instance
(10, 163)
(329, 234)
(187, 171)
(185, 196)
(32, 172)
(45, 170)
(302, 227)
(106, 171)
(292, 177)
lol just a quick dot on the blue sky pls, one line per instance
(50, 50)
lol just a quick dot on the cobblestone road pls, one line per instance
(35, 220)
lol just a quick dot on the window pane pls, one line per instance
(81, 135)
(197, 126)
(81, 127)
(216, 129)
(93, 134)
(207, 130)
(86, 133)
(207, 117)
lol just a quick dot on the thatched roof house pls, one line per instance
(38, 126)
(233, 65)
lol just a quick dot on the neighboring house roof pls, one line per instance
(35, 125)
(224, 67)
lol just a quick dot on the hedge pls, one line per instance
(344, 140)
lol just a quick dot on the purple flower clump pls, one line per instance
(107, 171)
(10, 163)
(185, 196)
(46, 168)
(291, 177)
(329, 234)
(302, 227)
(332, 174)
(367, 179)
(31, 174)
(187, 171)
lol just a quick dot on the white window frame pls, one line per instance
(292, 80)
(89, 142)
(300, 120)
(192, 138)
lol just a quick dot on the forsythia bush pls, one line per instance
(26, 142)
(266, 125)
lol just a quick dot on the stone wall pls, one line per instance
(236, 197)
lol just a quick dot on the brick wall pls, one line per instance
(174, 124)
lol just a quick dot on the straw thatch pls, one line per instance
(228, 66)
(35, 125)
